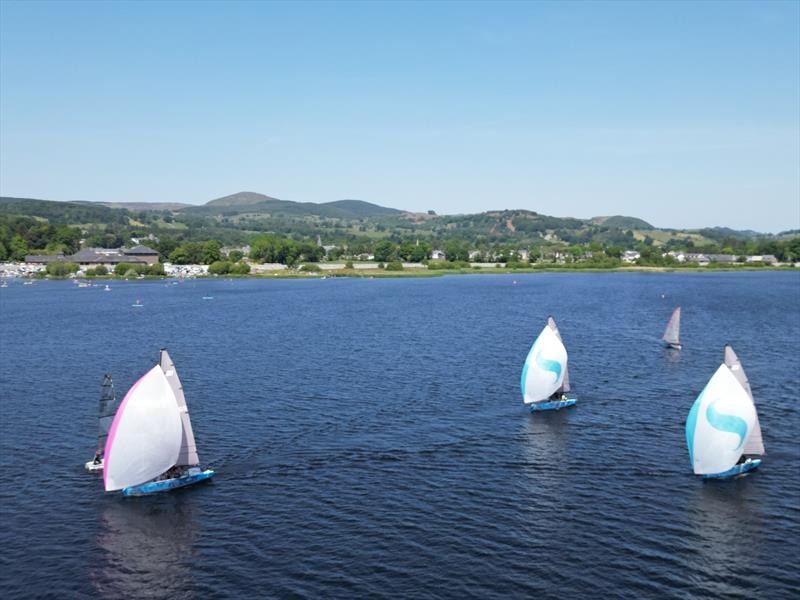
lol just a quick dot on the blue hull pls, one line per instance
(555, 405)
(736, 470)
(154, 487)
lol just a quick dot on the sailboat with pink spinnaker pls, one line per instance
(151, 446)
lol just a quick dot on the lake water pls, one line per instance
(370, 439)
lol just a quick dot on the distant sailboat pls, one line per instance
(108, 407)
(672, 333)
(722, 430)
(545, 378)
(151, 446)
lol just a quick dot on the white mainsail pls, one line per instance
(188, 454)
(755, 443)
(672, 333)
(108, 408)
(145, 437)
(551, 323)
(719, 424)
(544, 369)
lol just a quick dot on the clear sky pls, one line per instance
(684, 114)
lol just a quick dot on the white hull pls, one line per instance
(93, 466)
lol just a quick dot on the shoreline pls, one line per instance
(417, 273)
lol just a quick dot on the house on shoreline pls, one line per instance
(94, 257)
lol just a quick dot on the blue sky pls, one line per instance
(685, 114)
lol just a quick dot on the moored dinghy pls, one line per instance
(108, 407)
(722, 431)
(151, 445)
(672, 333)
(545, 378)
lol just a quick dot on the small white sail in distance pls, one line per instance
(672, 333)
(145, 437)
(544, 368)
(755, 443)
(719, 424)
(188, 453)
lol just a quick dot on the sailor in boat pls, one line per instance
(98, 457)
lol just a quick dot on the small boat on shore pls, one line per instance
(108, 407)
(545, 378)
(723, 434)
(151, 446)
(672, 333)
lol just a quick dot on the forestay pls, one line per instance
(719, 424)
(545, 367)
(188, 453)
(755, 443)
(145, 436)
(673, 331)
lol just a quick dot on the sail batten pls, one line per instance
(672, 333)
(188, 452)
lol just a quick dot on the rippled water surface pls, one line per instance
(370, 439)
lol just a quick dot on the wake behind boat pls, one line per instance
(672, 333)
(108, 407)
(545, 378)
(723, 434)
(151, 446)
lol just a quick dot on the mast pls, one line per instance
(188, 453)
(755, 443)
(551, 322)
(108, 408)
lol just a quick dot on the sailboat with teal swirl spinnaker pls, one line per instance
(718, 427)
(544, 380)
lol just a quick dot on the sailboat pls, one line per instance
(108, 407)
(722, 430)
(672, 333)
(545, 378)
(151, 446)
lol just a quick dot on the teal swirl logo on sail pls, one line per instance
(726, 423)
(553, 366)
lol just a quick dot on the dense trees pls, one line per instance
(273, 249)
(24, 235)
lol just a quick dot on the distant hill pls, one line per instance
(61, 213)
(251, 203)
(241, 199)
(620, 222)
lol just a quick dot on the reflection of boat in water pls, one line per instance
(146, 550)
(108, 406)
(672, 333)
(545, 378)
(722, 430)
(151, 446)
(721, 520)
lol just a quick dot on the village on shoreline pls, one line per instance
(143, 262)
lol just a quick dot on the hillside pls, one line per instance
(236, 218)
